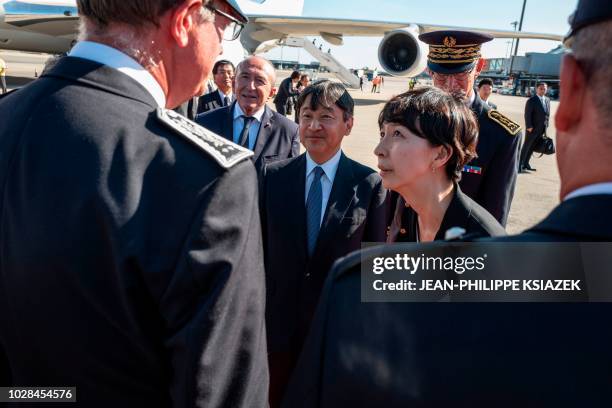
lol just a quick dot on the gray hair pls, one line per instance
(591, 46)
(134, 40)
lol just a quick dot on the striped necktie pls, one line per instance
(313, 209)
(244, 134)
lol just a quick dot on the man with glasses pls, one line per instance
(130, 237)
(223, 75)
(454, 63)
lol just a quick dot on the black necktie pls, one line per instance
(226, 101)
(244, 134)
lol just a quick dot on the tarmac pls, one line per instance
(537, 193)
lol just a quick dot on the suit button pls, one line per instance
(308, 275)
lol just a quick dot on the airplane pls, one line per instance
(51, 26)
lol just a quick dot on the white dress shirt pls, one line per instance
(229, 95)
(593, 189)
(330, 168)
(112, 57)
(253, 130)
(543, 100)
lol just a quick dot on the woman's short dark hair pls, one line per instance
(295, 75)
(327, 93)
(440, 118)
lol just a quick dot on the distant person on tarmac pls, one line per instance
(375, 84)
(3, 75)
(286, 91)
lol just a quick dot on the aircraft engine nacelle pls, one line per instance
(400, 52)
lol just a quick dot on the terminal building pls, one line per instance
(520, 74)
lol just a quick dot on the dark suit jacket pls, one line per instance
(498, 155)
(355, 214)
(131, 261)
(462, 212)
(461, 354)
(189, 108)
(278, 137)
(536, 116)
(210, 101)
(584, 219)
(285, 91)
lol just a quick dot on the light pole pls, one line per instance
(520, 28)
(513, 24)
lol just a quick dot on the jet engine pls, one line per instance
(400, 53)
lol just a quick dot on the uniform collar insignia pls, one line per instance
(226, 153)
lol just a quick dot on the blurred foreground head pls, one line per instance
(584, 117)
(165, 36)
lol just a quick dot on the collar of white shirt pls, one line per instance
(257, 115)
(229, 95)
(330, 167)
(471, 99)
(593, 189)
(112, 57)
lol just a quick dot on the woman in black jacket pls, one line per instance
(427, 137)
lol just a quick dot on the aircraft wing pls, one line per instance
(337, 28)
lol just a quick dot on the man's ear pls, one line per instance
(182, 20)
(349, 125)
(572, 90)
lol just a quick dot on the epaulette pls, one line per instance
(508, 124)
(222, 150)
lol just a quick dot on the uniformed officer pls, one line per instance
(454, 63)
(131, 261)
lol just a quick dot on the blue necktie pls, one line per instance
(313, 209)
(226, 101)
(244, 135)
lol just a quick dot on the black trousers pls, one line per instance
(281, 108)
(531, 139)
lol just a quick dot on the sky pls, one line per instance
(547, 16)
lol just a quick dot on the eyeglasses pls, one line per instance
(233, 29)
(445, 78)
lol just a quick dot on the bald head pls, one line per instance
(258, 63)
(255, 78)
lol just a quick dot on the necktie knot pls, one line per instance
(226, 101)
(318, 173)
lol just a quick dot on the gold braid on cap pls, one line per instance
(454, 55)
